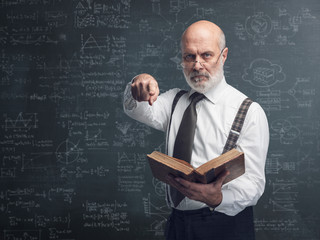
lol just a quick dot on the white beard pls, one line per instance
(202, 86)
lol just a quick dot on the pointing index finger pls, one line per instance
(153, 91)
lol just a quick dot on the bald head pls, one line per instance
(204, 30)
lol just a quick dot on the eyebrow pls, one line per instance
(208, 51)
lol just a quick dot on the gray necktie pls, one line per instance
(184, 140)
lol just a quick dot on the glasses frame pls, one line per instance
(183, 65)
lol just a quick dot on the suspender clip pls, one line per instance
(235, 132)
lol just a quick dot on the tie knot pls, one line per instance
(196, 97)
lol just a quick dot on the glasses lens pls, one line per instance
(192, 64)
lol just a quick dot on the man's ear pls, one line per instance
(224, 54)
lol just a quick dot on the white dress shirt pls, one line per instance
(216, 113)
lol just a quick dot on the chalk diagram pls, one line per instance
(298, 163)
(95, 140)
(273, 165)
(284, 130)
(159, 187)
(23, 122)
(67, 152)
(263, 73)
(285, 196)
(258, 25)
(303, 92)
(160, 213)
(94, 135)
(91, 44)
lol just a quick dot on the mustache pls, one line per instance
(194, 74)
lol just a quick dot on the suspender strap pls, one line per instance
(176, 99)
(174, 103)
(237, 125)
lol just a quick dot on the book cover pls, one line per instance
(161, 165)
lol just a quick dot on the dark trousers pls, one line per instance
(204, 224)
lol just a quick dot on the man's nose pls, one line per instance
(197, 65)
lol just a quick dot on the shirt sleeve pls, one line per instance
(155, 116)
(246, 190)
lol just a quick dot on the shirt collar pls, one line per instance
(214, 93)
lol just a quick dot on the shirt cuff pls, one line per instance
(227, 201)
(129, 103)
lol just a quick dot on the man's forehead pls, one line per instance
(199, 35)
(200, 43)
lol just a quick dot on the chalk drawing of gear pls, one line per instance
(263, 73)
(159, 187)
(258, 25)
(284, 130)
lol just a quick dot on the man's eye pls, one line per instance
(207, 55)
(189, 58)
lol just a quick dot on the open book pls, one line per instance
(161, 165)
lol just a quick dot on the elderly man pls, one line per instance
(205, 211)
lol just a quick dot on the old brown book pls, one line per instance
(161, 165)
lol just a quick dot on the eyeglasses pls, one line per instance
(189, 61)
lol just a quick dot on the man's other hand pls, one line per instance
(209, 194)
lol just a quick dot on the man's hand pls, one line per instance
(145, 88)
(209, 194)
